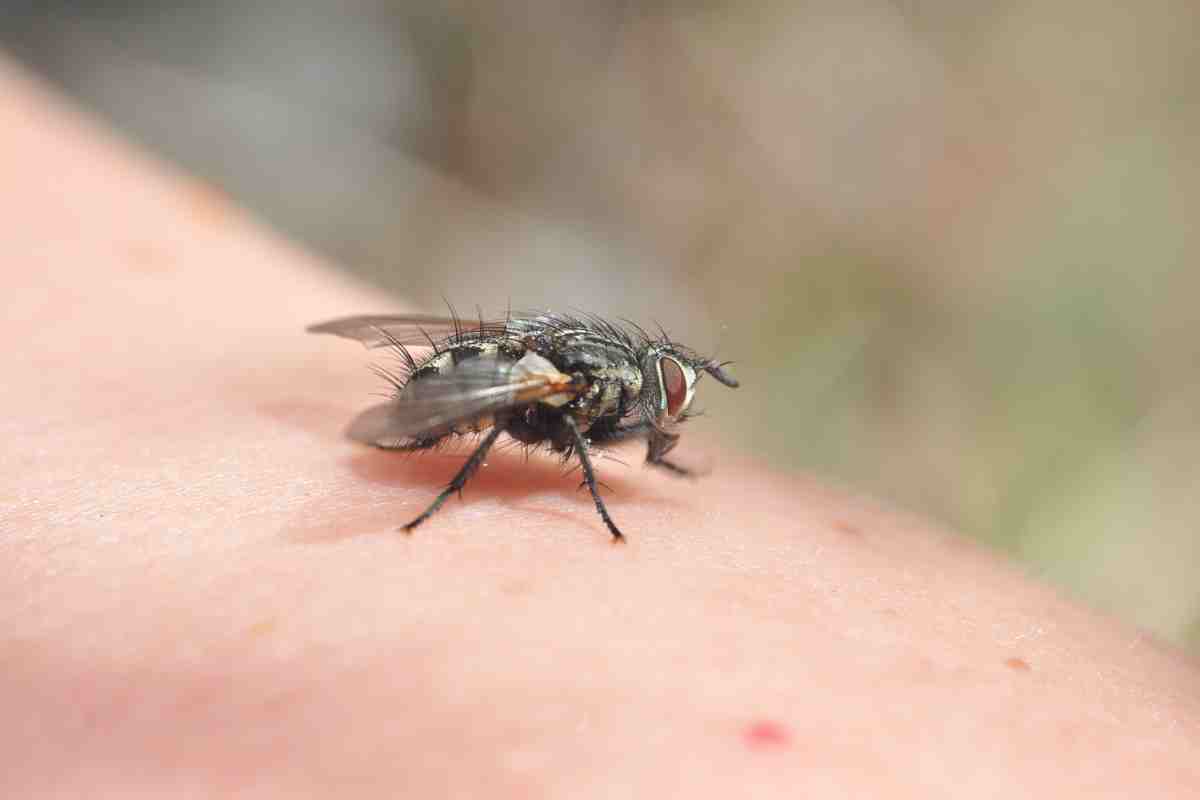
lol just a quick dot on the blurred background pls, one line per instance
(950, 244)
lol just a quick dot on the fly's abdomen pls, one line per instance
(445, 360)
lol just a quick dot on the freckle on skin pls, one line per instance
(207, 203)
(262, 628)
(1018, 664)
(842, 526)
(766, 735)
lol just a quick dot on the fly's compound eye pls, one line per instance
(676, 388)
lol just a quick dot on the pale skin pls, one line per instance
(203, 591)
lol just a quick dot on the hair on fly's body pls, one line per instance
(575, 383)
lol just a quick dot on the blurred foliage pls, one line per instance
(950, 244)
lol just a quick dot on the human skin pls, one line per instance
(203, 592)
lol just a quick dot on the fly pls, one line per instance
(567, 382)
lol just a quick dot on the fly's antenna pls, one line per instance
(717, 370)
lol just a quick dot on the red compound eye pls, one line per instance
(674, 385)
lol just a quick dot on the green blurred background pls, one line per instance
(949, 243)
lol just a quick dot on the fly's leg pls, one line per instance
(672, 467)
(589, 477)
(652, 458)
(620, 434)
(460, 480)
(658, 445)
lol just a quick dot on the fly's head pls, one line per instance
(670, 373)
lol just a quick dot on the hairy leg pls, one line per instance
(654, 459)
(589, 476)
(460, 480)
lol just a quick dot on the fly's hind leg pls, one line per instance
(589, 476)
(460, 480)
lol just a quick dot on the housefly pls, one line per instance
(567, 382)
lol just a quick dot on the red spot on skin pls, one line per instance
(1018, 664)
(767, 735)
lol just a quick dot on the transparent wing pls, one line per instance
(470, 391)
(381, 330)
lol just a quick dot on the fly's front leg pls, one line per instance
(614, 435)
(460, 480)
(658, 445)
(589, 476)
(672, 468)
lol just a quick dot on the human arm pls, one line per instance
(203, 590)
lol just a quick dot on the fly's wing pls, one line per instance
(405, 329)
(471, 390)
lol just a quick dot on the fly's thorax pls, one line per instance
(587, 351)
(609, 368)
(605, 396)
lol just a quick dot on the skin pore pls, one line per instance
(203, 592)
